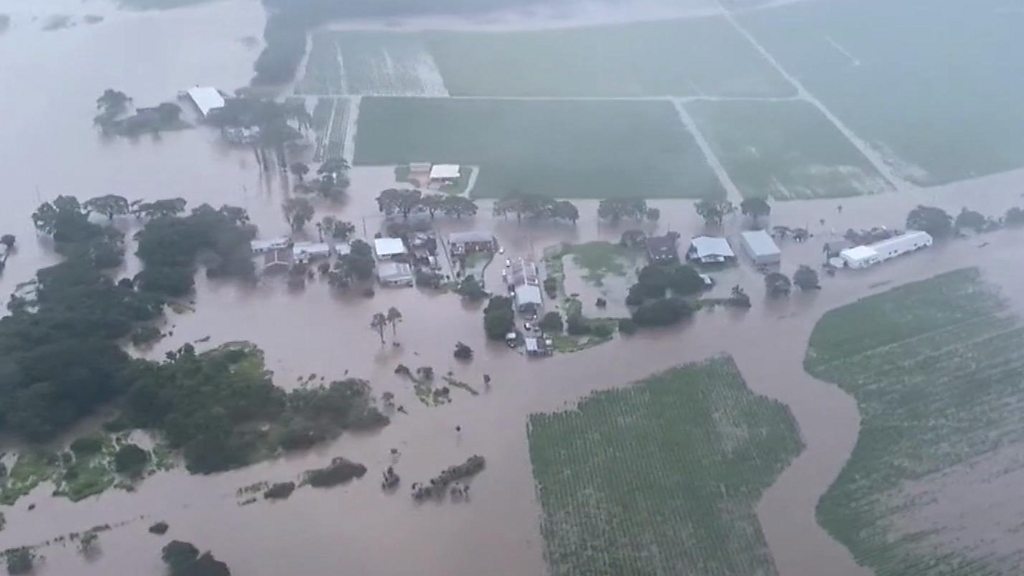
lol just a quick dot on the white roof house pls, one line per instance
(388, 247)
(444, 172)
(529, 298)
(306, 251)
(760, 247)
(859, 257)
(395, 274)
(709, 249)
(264, 246)
(206, 99)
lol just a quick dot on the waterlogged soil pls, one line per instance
(356, 525)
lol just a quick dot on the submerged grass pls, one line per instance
(661, 477)
(938, 375)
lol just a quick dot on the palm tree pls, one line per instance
(8, 241)
(299, 169)
(378, 323)
(393, 318)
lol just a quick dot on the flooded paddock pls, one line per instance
(51, 148)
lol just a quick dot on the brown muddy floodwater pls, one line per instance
(49, 147)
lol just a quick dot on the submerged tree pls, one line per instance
(298, 212)
(393, 318)
(777, 284)
(378, 323)
(394, 201)
(756, 208)
(615, 209)
(806, 278)
(110, 205)
(299, 169)
(714, 211)
(159, 208)
(934, 221)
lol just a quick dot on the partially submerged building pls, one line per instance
(529, 299)
(761, 248)
(305, 252)
(871, 254)
(472, 242)
(710, 250)
(277, 261)
(524, 280)
(662, 249)
(269, 245)
(536, 346)
(444, 174)
(395, 274)
(206, 99)
(389, 249)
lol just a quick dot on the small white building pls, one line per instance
(206, 99)
(308, 251)
(389, 248)
(710, 250)
(444, 173)
(395, 274)
(270, 245)
(759, 245)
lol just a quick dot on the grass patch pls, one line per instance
(786, 150)
(937, 373)
(661, 477)
(599, 259)
(31, 468)
(556, 148)
(888, 71)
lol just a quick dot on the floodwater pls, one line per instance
(49, 147)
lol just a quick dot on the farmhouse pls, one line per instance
(308, 251)
(264, 246)
(471, 242)
(662, 249)
(710, 250)
(759, 245)
(389, 248)
(394, 274)
(206, 99)
(277, 261)
(444, 174)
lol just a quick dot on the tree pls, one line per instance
(458, 206)
(529, 205)
(684, 280)
(714, 211)
(565, 210)
(333, 166)
(357, 264)
(470, 289)
(298, 212)
(130, 460)
(159, 208)
(615, 209)
(337, 229)
(394, 317)
(183, 559)
(378, 322)
(499, 317)
(662, 312)
(87, 543)
(806, 278)
(551, 322)
(8, 240)
(756, 208)
(20, 561)
(432, 203)
(299, 170)
(110, 205)
(653, 214)
(934, 221)
(394, 201)
(1014, 216)
(777, 284)
(970, 220)
(111, 104)
(463, 351)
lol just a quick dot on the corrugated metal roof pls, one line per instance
(206, 98)
(444, 171)
(760, 243)
(528, 294)
(706, 246)
(385, 247)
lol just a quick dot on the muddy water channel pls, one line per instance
(50, 147)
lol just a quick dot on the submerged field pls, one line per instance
(661, 477)
(934, 84)
(786, 150)
(935, 483)
(578, 149)
(667, 58)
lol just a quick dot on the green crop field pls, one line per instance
(661, 477)
(935, 84)
(577, 149)
(785, 150)
(934, 484)
(668, 58)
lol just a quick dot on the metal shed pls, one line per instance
(759, 245)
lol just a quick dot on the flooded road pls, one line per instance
(50, 147)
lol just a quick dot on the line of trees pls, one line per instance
(534, 207)
(395, 201)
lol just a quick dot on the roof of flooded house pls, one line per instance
(206, 98)
(661, 245)
(470, 236)
(760, 242)
(342, 248)
(444, 171)
(394, 271)
(263, 245)
(273, 257)
(385, 247)
(311, 248)
(859, 253)
(710, 246)
(528, 294)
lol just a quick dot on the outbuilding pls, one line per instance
(389, 248)
(710, 250)
(472, 242)
(308, 251)
(529, 299)
(270, 245)
(902, 244)
(759, 245)
(662, 249)
(206, 99)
